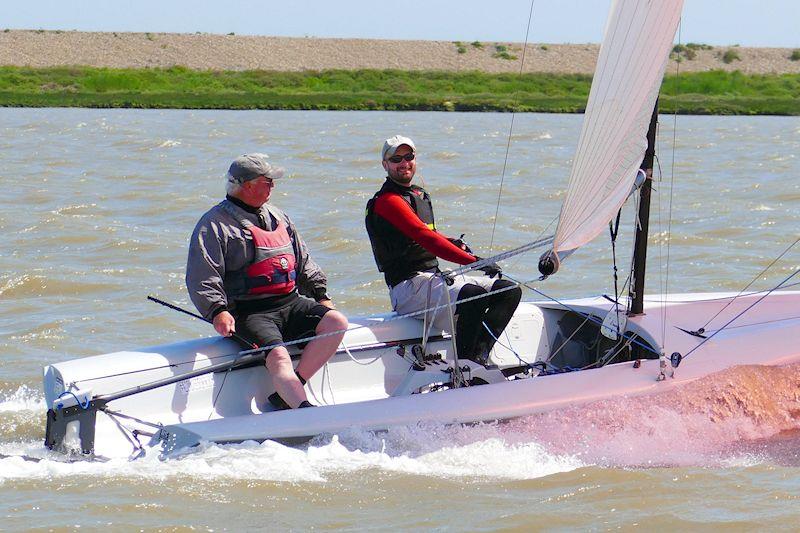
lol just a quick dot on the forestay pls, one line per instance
(630, 67)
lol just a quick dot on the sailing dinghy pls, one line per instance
(390, 370)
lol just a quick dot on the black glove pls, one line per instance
(491, 270)
(447, 276)
(460, 243)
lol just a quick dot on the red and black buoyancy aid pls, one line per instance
(273, 270)
(397, 256)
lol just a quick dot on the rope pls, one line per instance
(82, 405)
(509, 347)
(356, 361)
(458, 379)
(173, 365)
(219, 391)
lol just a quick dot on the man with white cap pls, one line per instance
(406, 246)
(249, 273)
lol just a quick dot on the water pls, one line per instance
(96, 212)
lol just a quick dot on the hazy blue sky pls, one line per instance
(718, 22)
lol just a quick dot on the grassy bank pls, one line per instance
(696, 93)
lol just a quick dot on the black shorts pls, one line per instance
(296, 320)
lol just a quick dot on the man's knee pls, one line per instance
(332, 321)
(278, 359)
(507, 294)
(470, 290)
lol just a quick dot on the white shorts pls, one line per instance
(426, 290)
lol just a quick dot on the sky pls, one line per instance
(716, 22)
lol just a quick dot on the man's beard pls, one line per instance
(402, 180)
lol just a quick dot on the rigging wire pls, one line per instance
(779, 285)
(671, 191)
(508, 347)
(702, 329)
(265, 349)
(591, 318)
(510, 130)
(517, 251)
(514, 263)
(762, 322)
(613, 230)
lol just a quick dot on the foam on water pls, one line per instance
(702, 423)
(492, 458)
(22, 399)
(169, 143)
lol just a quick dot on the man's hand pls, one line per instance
(460, 243)
(492, 269)
(225, 324)
(327, 303)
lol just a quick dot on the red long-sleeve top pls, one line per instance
(398, 213)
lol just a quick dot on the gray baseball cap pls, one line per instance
(393, 143)
(250, 166)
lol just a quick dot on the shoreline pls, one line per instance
(180, 71)
(704, 93)
(201, 51)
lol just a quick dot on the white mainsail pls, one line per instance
(630, 67)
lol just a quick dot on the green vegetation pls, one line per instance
(680, 51)
(502, 52)
(544, 47)
(699, 46)
(715, 92)
(730, 56)
(795, 56)
(731, 93)
(687, 51)
(460, 48)
(477, 44)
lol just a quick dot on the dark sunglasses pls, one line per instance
(397, 158)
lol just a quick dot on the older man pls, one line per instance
(249, 272)
(406, 246)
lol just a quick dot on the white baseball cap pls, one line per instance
(393, 143)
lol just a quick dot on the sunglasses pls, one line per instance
(397, 158)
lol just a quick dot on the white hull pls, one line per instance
(371, 387)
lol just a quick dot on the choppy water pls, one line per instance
(97, 208)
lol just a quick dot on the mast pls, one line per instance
(640, 244)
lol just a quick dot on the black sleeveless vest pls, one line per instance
(397, 256)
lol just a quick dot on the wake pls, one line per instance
(740, 417)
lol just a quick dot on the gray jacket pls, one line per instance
(220, 245)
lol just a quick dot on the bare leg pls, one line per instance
(318, 351)
(279, 364)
